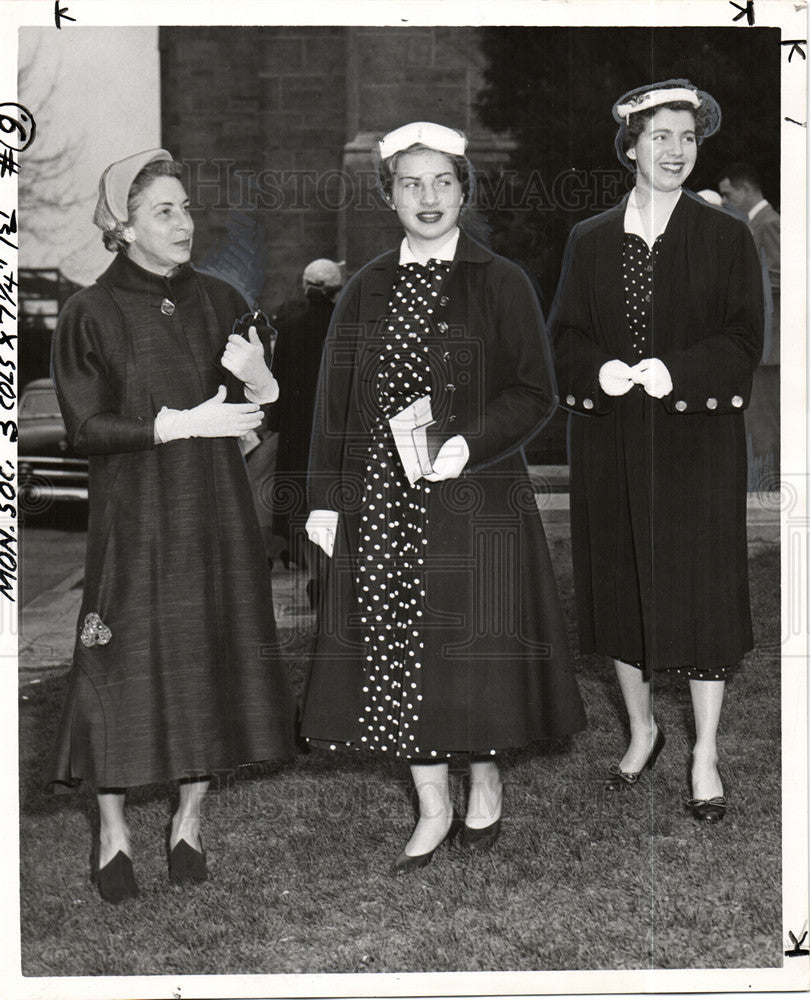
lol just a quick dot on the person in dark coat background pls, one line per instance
(296, 362)
(657, 327)
(741, 190)
(176, 672)
(440, 629)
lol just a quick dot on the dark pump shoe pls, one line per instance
(481, 839)
(707, 810)
(627, 779)
(116, 880)
(186, 865)
(406, 863)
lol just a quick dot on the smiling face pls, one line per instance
(160, 230)
(666, 151)
(427, 196)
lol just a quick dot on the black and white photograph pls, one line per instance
(403, 546)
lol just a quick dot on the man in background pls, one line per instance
(741, 190)
(296, 363)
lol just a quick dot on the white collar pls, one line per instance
(650, 223)
(447, 251)
(757, 209)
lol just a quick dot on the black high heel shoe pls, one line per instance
(406, 863)
(116, 880)
(483, 838)
(707, 810)
(627, 779)
(187, 865)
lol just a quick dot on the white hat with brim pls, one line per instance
(113, 188)
(438, 137)
(653, 95)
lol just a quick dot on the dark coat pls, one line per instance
(658, 487)
(190, 681)
(296, 362)
(496, 668)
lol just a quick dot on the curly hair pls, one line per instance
(637, 122)
(113, 231)
(387, 168)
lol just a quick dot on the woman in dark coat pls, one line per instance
(657, 328)
(440, 628)
(176, 673)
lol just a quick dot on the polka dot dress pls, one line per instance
(638, 262)
(391, 548)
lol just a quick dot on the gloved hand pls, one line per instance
(321, 528)
(450, 461)
(652, 373)
(211, 419)
(615, 377)
(245, 359)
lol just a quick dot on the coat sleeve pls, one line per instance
(88, 387)
(714, 374)
(577, 354)
(333, 401)
(525, 393)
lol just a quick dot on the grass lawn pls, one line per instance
(299, 856)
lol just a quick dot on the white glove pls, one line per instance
(212, 419)
(321, 528)
(450, 461)
(653, 375)
(616, 377)
(245, 359)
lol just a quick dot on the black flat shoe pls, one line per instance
(186, 865)
(406, 863)
(707, 810)
(116, 880)
(627, 779)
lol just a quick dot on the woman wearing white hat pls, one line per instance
(657, 327)
(440, 629)
(175, 672)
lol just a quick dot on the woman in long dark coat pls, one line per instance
(657, 328)
(176, 672)
(440, 628)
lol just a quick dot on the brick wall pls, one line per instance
(276, 127)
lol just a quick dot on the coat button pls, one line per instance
(569, 399)
(737, 401)
(443, 300)
(588, 404)
(451, 419)
(446, 356)
(680, 406)
(443, 327)
(167, 307)
(711, 403)
(450, 387)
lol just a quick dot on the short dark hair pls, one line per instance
(465, 172)
(741, 173)
(113, 237)
(637, 122)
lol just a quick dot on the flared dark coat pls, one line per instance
(658, 487)
(496, 665)
(190, 681)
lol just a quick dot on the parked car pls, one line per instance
(48, 468)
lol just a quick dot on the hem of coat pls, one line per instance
(67, 784)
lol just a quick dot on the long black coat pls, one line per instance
(190, 681)
(658, 487)
(296, 362)
(496, 668)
